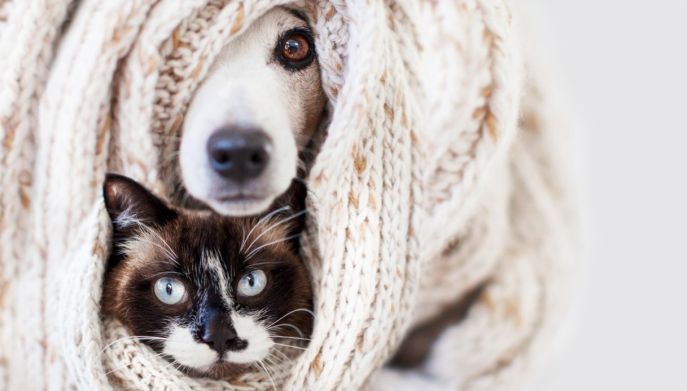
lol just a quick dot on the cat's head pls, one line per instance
(213, 294)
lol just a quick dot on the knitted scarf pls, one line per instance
(425, 187)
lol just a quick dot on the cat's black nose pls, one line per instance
(239, 154)
(219, 334)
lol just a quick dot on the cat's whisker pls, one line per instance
(170, 252)
(284, 357)
(274, 385)
(293, 312)
(119, 368)
(111, 371)
(252, 253)
(263, 263)
(243, 235)
(289, 325)
(272, 360)
(123, 339)
(276, 224)
(260, 222)
(166, 252)
(173, 363)
(290, 346)
(166, 249)
(285, 337)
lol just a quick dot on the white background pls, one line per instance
(623, 66)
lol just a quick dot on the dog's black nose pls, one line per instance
(219, 334)
(239, 154)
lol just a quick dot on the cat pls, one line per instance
(214, 295)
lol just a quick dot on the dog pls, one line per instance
(255, 112)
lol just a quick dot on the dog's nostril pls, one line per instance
(258, 158)
(222, 157)
(239, 154)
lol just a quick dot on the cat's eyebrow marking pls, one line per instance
(146, 245)
(146, 235)
(213, 265)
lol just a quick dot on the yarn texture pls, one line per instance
(440, 172)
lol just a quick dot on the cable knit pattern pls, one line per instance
(422, 190)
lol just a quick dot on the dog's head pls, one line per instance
(255, 112)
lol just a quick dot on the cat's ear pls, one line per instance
(129, 204)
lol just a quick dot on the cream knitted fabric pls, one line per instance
(421, 190)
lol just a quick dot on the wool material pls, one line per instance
(438, 173)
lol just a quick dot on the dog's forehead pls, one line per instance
(282, 18)
(266, 29)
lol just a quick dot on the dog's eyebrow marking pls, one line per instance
(299, 14)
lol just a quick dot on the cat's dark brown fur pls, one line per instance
(151, 239)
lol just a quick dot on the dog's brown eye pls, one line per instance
(296, 47)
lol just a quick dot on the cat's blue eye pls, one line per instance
(170, 290)
(252, 283)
